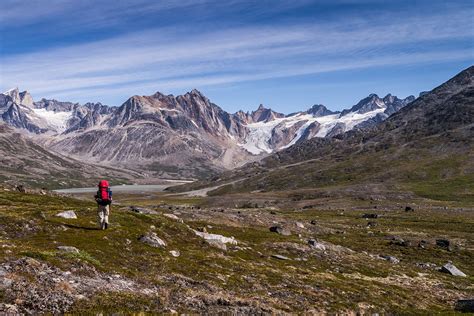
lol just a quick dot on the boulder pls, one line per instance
(299, 225)
(67, 214)
(370, 215)
(280, 230)
(215, 240)
(68, 249)
(399, 242)
(316, 245)
(153, 240)
(465, 306)
(391, 259)
(451, 269)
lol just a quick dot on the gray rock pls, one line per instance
(443, 243)
(217, 244)
(215, 240)
(142, 210)
(280, 230)
(299, 225)
(68, 249)
(313, 243)
(399, 242)
(426, 265)
(451, 269)
(280, 257)
(465, 306)
(173, 217)
(175, 253)
(392, 259)
(67, 214)
(153, 240)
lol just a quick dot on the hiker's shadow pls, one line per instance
(81, 227)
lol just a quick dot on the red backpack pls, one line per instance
(104, 190)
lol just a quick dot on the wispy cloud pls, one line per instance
(174, 57)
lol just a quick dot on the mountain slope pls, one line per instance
(186, 136)
(25, 162)
(427, 148)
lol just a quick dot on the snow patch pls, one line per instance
(55, 119)
(257, 140)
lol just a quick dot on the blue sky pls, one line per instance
(285, 54)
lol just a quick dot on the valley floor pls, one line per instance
(325, 254)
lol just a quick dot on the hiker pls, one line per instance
(103, 199)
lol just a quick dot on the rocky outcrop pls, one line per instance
(67, 214)
(153, 240)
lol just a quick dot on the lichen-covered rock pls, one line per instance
(451, 269)
(215, 240)
(153, 240)
(67, 214)
(280, 230)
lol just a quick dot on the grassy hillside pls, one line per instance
(115, 272)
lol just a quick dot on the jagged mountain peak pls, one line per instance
(319, 110)
(263, 114)
(196, 92)
(18, 97)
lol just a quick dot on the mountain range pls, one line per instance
(425, 148)
(179, 136)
